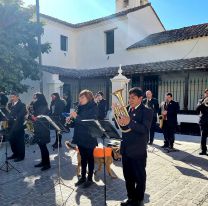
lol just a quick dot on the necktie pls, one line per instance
(132, 109)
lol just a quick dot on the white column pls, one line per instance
(51, 84)
(120, 82)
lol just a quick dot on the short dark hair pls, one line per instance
(137, 91)
(100, 93)
(56, 94)
(14, 93)
(169, 94)
(206, 90)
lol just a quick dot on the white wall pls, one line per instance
(177, 50)
(56, 57)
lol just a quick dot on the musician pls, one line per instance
(87, 109)
(133, 147)
(153, 104)
(169, 110)
(102, 106)
(41, 129)
(3, 104)
(67, 99)
(57, 107)
(203, 122)
(16, 119)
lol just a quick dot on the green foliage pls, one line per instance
(18, 45)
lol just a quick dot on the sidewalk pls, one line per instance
(177, 178)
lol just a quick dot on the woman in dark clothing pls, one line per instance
(57, 107)
(39, 106)
(85, 141)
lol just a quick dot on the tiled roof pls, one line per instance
(197, 63)
(119, 14)
(175, 35)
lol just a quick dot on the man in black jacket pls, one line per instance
(102, 106)
(169, 110)
(153, 104)
(202, 108)
(16, 120)
(133, 147)
(57, 107)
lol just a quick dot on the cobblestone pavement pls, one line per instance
(177, 178)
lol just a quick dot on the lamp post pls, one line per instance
(39, 45)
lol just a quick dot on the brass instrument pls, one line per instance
(162, 117)
(120, 110)
(205, 102)
(29, 126)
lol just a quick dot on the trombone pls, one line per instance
(120, 110)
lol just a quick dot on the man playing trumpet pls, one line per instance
(135, 133)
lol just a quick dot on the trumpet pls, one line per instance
(120, 110)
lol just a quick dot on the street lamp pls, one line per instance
(39, 45)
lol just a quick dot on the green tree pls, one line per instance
(18, 45)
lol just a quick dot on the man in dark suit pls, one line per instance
(16, 119)
(202, 109)
(169, 110)
(133, 147)
(102, 106)
(153, 104)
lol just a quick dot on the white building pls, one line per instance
(87, 55)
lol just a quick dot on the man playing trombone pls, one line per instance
(202, 108)
(135, 127)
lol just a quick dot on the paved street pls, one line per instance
(177, 178)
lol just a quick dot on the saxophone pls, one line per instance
(162, 117)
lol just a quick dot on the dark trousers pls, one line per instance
(152, 130)
(135, 177)
(87, 158)
(58, 137)
(204, 135)
(17, 142)
(169, 134)
(44, 154)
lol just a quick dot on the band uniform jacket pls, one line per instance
(102, 109)
(57, 107)
(16, 117)
(154, 105)
(83, 135)
(172, 110)
(41, 125)
(203, 111)
(134, 143)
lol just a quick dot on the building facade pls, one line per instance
(87, 55)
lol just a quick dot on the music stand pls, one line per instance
(6, 166)
(104, 130)
(59, 180)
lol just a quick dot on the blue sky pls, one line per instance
(173, 13)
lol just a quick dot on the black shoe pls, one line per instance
(203, 153)
(87, 184)
(80, 181)
(39, 165)
(18, 159)
(150, 143)
(45, 167)
(11, 157)
(164, 146)
(129, 203)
